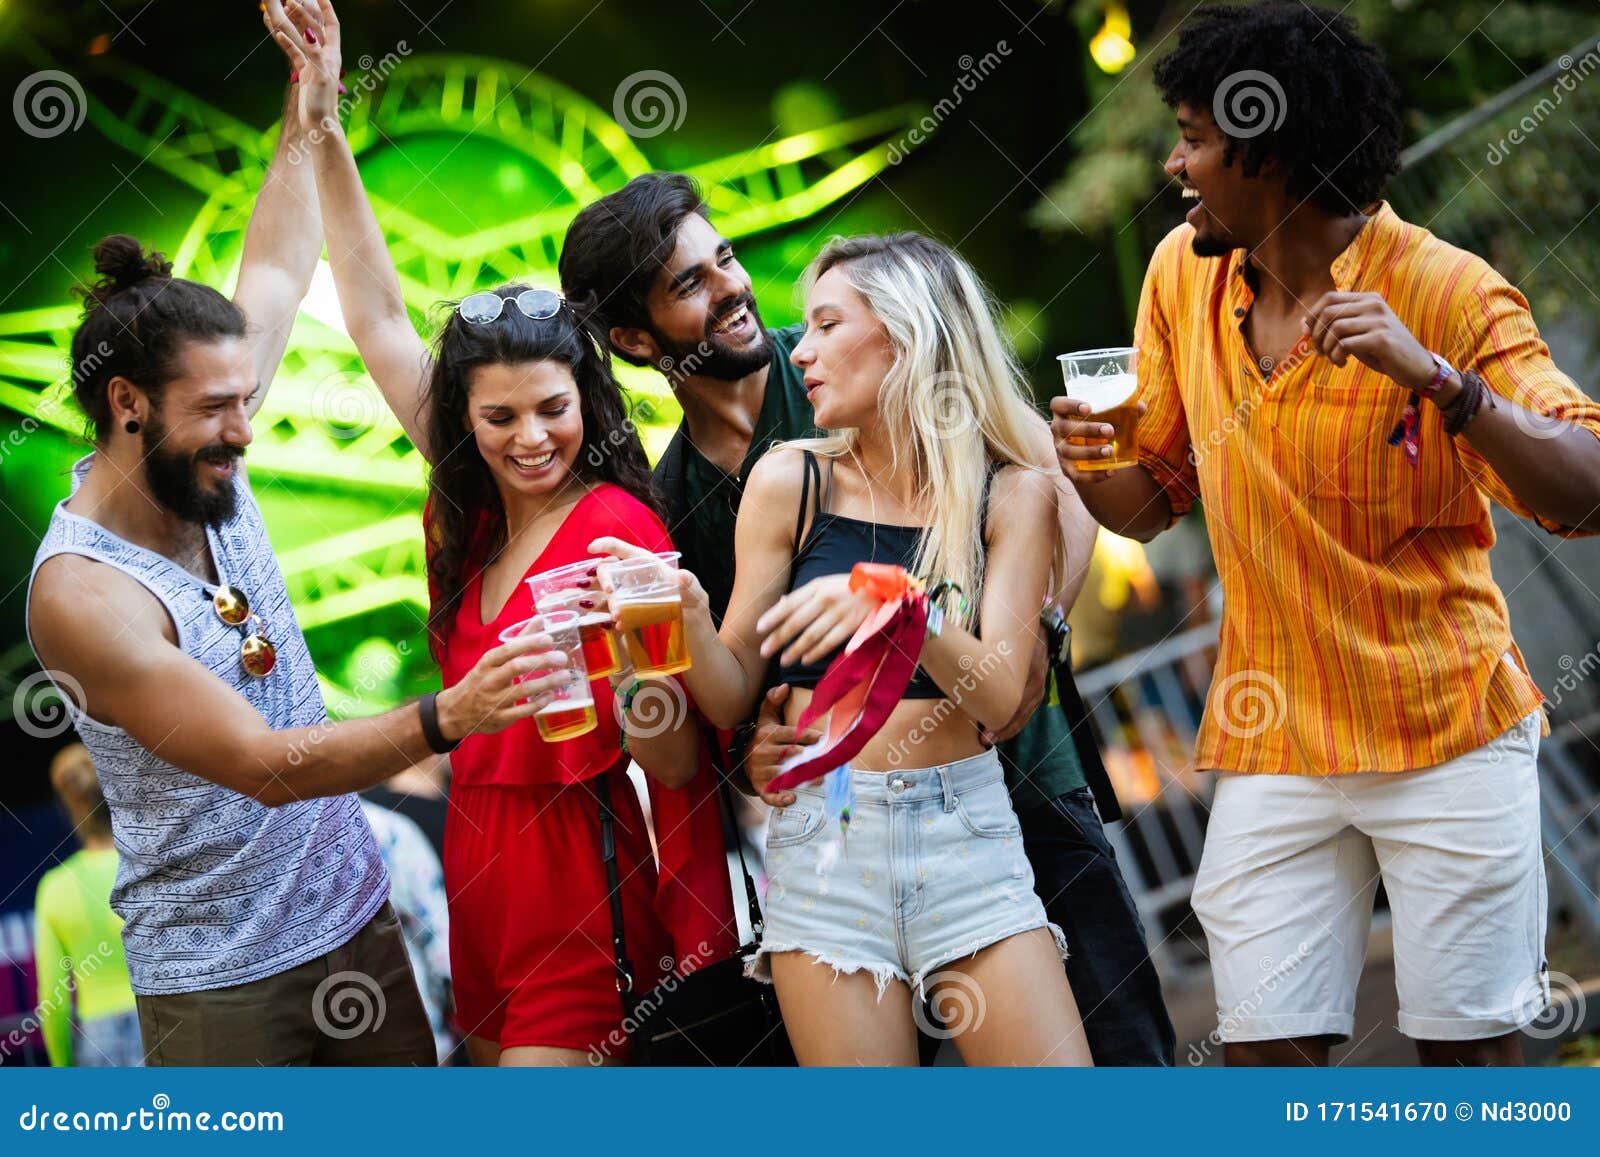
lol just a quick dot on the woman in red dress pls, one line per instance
(540, 463)
(532, 457)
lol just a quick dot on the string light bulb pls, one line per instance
(1112, 47)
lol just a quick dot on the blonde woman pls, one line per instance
(933, 894)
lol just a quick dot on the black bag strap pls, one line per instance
(730, 834)
(601, 788)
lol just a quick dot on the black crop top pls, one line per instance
(834, 545)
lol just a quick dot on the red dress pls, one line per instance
(530, 924)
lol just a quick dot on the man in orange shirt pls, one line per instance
(1347, 394)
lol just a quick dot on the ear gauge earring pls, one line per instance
(131, 425)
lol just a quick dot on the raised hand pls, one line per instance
(308, 33)
(1362, 326)
(696, 603)
(495, 693)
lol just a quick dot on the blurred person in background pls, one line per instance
(86, 1007)
(416, 889)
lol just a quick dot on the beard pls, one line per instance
(174, 479)
(1211, 246)
(711, 357)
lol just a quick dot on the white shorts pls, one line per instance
(1291, 866)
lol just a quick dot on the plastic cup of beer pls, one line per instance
(573, 576)
(600, 654)
(647, 613)
(570, 711)
(1108, 381)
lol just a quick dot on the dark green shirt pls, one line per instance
(703, 500)
(1041, 760)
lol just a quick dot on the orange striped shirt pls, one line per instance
(1361, 628)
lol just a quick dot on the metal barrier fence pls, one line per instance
(1146, 708)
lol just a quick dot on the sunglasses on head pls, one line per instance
(257, 655)
(484, 308)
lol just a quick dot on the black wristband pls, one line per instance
(428, 710)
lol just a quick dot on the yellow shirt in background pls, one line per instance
(77, 944)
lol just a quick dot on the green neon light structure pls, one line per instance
(324, 429)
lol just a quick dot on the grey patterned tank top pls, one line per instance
(216, 888)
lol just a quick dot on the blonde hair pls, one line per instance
(77, 785)
(954, 390)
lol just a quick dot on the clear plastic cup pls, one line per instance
(600, 652)
(573, 576)
(1107, 379)
(570, 711)
(647, 613)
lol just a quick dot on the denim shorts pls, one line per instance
(932, 871)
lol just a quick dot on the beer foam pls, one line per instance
(1104, 392)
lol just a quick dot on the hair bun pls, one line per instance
(122, 263)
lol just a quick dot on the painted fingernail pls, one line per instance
(342, 90)
(294, 77)
(311, 37)
(586, 603)
(594, 570)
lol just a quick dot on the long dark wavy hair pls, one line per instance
(467, 524)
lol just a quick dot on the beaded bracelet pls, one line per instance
(1467, 403)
